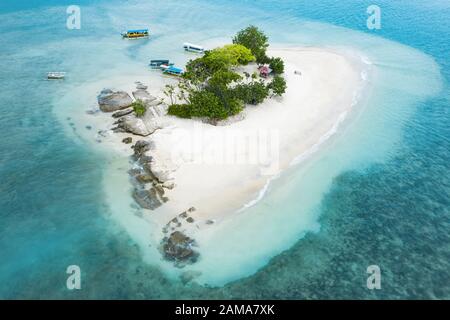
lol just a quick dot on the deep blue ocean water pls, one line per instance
(395, 214)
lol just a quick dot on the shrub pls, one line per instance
(253, 93)
(278, 86)
(180, 110)
(277, 65)
(207, 104)
(217, 60)
(139, 108)
(235, 106)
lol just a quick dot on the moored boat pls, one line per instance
(136, 34)
(156, 64)
(193, 48)
(55, 75)
(171, 70)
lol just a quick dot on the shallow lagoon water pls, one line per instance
(376, 194)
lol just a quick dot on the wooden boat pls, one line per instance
(193, 48)
(136, 34)
(56, 75)
(156, 64)
(172, 71)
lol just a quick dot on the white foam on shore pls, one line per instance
(261, 194)
(323, 139)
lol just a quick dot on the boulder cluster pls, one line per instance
(151, 176)
(149, 185)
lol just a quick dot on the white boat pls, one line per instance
(56, 75)
(193, 48)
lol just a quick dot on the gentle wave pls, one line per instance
(314, 148)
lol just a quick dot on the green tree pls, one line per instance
(199, 71)
(253, 93)
(224, 78)
(278, 86)
(277, 65)
(207, 104)
(211, 88)
(230, 55)
(255, 40)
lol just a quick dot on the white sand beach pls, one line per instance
(217, 184)
(219, 170)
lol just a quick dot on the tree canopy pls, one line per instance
(230, 55)
(212, 88)
(278, 86)
(255, 40)
(277, 65)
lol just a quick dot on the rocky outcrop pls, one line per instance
(158, 110)
(161, 169)
(147, 199)
(143, 95)
(153, 103)
(137, 126)
(110, 101)
(140, 85)
(153, 196)
(141, 147)
(179, 221)
(179, 247)
(122, 113)
(169, 185)
(161, 173)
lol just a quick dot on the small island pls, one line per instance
(206, 144)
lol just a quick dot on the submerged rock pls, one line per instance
(141, 86)
(178, 247)
(110, 101)
(188, 276)
(141, 147)
(147, 199)
(127, 140)
(190, 220)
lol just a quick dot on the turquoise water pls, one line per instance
(378, 194)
